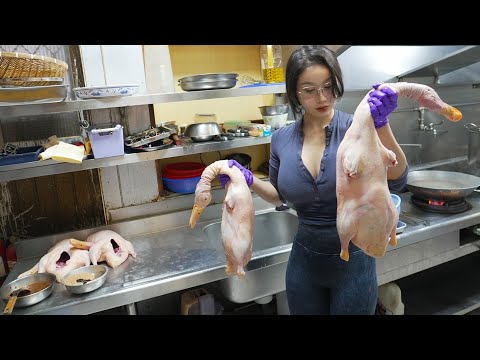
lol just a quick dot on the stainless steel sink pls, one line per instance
(265, 273)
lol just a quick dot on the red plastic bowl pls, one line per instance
(183, 170)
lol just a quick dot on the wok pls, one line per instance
(441, 185)
(40, 287)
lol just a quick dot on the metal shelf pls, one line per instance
(92, 104)
(52, 167)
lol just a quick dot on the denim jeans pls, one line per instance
(319, 282)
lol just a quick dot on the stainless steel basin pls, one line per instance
(265, 273)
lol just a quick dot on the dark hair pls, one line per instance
(303, 57)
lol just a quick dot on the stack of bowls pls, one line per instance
(183, 177)
(275, 115)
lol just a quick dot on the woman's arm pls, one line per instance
(266, 191)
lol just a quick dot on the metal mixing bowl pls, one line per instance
(273, 110)
(85, 279)
(203, 131)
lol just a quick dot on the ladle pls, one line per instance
(13, 299)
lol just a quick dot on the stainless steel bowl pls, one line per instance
(85, 279)
(29, 282)
(273, 110)
(203, 131)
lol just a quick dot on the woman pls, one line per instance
(302, 172)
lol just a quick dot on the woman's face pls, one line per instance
(315, 92)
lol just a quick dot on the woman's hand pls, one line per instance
(246, 173)
(382, 102)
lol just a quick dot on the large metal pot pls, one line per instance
(473, 144)
(441, 185)
(40, 285)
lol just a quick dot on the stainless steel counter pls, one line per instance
(422, 225)
(173, 257)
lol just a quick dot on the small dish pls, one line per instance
(96, 92)
(400, 227)
(85, 279)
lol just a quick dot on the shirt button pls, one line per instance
(322, 166)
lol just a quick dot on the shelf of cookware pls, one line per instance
(52, 167)
(26, 109)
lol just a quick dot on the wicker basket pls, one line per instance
(19, 65)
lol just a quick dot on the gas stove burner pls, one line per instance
(439, 206)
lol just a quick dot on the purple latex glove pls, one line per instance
(246, 173)
(382, 102)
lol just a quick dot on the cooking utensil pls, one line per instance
(211, 85)
(441, 185)
(273, 110)
(209, 77)
(208, 82)
(148, 136)
(85, 279)
(203, 132)
(40, 286)
(13, 299)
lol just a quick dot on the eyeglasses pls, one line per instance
(311, 92)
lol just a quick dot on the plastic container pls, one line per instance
(181, 186)
(275, 121)
(23, 155)
(106, 140)
(200, 302)
(158, 69)
(397, 201)
(271, 59)
(400, 227)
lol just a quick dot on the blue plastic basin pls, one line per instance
(181, 186)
